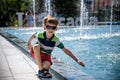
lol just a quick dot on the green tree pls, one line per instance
(8, 9)
(66, 7)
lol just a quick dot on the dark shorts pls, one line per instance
(44, 57)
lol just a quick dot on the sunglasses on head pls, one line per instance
(50, 27)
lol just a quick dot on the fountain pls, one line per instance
(48, 7)
(83, 14)
(47, 11)
(111, 17)
(34, 13)
(111, 14)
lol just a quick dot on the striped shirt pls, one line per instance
(47, 45)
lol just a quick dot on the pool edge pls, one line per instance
(64, 72)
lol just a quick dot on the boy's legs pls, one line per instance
(43, 67)
(36, 49)
(46, 64)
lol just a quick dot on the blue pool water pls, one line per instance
(95, 46)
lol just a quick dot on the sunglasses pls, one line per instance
(51, 27)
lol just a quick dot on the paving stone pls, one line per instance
(27, 76)
(6, 78)
(13, 63)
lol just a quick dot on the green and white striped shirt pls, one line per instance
(47, 45)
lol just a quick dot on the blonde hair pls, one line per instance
(50, 19)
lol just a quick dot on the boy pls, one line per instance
(46, 42)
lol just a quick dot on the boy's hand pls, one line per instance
(80, 63)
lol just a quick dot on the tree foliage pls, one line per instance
(8, 9)
(66, 7)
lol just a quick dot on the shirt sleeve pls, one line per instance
(59, 44)
(36, 35)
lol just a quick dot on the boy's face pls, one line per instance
(50, 28)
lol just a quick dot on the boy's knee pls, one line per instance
(46, 64)
(36, 46)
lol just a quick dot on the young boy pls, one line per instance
(46, 42)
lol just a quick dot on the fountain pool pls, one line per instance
(96, 46)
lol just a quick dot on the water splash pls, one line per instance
(81, 12)
(48, 7)
(89, 36)
(110, 56)
(111, 17)
(34, 12)
(83, 15)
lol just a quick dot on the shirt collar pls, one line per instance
(47, 38)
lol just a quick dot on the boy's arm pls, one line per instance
(29, 41)
(68, 52)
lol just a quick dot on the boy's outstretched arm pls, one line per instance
(68, 52)
(29, 41)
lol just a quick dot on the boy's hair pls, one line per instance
(50, 19)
